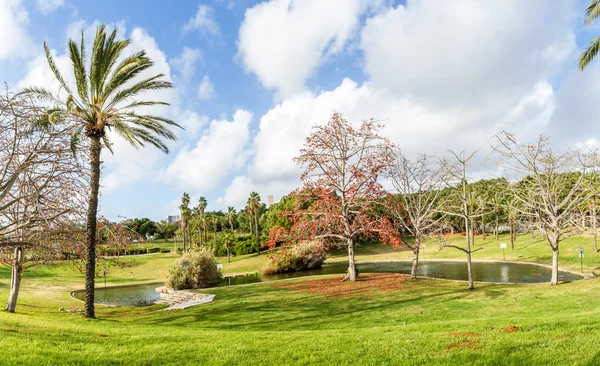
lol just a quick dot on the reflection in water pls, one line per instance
(504, 273)
(482, 271)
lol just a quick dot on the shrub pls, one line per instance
(165, 250)
(201, 271)
(304, 256)
(153, 250)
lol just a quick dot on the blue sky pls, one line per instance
(253, 77)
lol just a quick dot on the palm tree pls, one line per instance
(230, 217)
(185, 216)
(254, 205)
(227, 240)
(592, 13)
(105, 97)
(202, 203)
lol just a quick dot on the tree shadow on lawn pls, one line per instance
(265, 310)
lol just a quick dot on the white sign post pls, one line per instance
(219, 266)
(581, 258)
(503, 246)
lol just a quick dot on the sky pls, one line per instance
(251, 79)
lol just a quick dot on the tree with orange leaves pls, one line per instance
(339, 202)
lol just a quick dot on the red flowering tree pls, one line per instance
(340, 199)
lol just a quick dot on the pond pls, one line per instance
(137, 295)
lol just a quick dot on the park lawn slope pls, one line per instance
(302, 322)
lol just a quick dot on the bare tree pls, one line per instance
(553, 187)
(42, 192)
(465, 207)
(416, 206)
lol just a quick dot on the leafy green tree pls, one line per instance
(166, 229)
(592, 13)
(144, 226)
(106, 96)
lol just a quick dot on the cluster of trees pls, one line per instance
(342, 200)
(199, 227)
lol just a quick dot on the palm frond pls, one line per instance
(127, 70)
(96, 62)
(79, 69)
(42, 94)
(592, 12)
(589, 54)
(151, 83)
(55, 70)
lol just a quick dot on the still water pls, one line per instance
(138, 295)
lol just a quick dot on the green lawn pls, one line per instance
(379, 320)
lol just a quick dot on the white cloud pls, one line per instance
(206, 90)
(203, 22)
(219, 150)
(14, 40)
(48, 6)
(284, 41)
(185, 63)
(467, 52)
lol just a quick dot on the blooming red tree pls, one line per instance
(339, 202)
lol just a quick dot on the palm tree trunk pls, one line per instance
(256, 229)
(90, 265)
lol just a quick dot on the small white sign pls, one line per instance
(219, 266)
(503, 245)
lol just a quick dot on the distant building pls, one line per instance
(270, 200)
(172, 219)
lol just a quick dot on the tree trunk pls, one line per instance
(228, 254)
(554, 280)
(483, 226)
(497, 228)
(469, 266)
(511, 225)
(15, 281)
(415, 262)
(215, 232)
(351, 274)
(90, 265)
(256, 228)
(594, 221)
